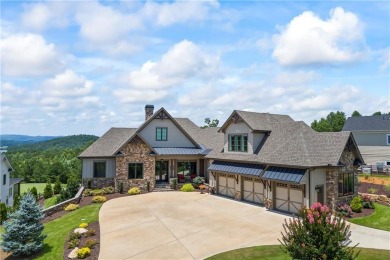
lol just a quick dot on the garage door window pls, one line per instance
(346, 183)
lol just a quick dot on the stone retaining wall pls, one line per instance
(99, 183)
(60, 206)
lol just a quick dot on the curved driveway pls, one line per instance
(179, 225)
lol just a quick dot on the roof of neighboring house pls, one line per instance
(367, 123)
(109, 143)
(6, 161)
(13, 181)
(293, 144)
(258, 121)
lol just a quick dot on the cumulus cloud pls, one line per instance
(29, 55)
(308, 39)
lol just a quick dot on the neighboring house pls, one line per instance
(372, 135)
(9, 187)
(256, 157)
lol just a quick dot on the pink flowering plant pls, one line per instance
(316, 234)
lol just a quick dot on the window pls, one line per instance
(238, 143)
(4, 179)
(161, 134)
(346, 183)
(136, 170)
(99, 169)
(186, 167)
(388, 139)
(10, 192)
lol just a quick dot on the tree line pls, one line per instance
(334, 121)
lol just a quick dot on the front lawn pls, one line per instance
(24, 187)
(58, 229)
(274, 252)
(380, 219)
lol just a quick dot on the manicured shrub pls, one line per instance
(344, 210)
(83, 225)
(83, 252)
(372, 190)
(3, 212)
(134, 191)
(16, 202)
(198, 180)
(315, 234)
(23, 231)
(367, 203)
(97, 192)
(99, 199)
(87, 192)
(174, 184)
(91, 232)
(71, 207)
(57, 186)
(187, 187)
(120, 187)
(74, 235)
(90, 242)
(34, 192)
(73, 243)
(356, 204)
(89, 184)
(48, 191)
(108, 190)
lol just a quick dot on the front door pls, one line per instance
(161, 171)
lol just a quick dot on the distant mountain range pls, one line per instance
(17, 142)
(13, 140)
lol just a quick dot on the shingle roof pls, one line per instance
(367, 123)
(13, 181)
(109, 143)
(294, 144)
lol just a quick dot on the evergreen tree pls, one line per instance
(48, 191)
(57, 186)
(16, 202)
(34, 192)
(3, 212)
(23, 231)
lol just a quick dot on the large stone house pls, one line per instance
(260, 158)
(372, 135)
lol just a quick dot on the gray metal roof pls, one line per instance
(13, 181)
(367, 123)
(236, 167)
(179, 151)
(284, 174)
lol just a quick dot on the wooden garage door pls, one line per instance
(253, 190)
(226, 184)
(288, 197)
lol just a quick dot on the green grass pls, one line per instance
(24, 187)
(380, 219)
(50, 202)
(58, 229)
(274, 252)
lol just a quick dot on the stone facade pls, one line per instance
(332, 187)
(98, 183)
(136, 151)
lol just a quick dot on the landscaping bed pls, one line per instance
(379, 189)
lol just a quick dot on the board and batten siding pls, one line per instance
(88, 167)
(257, 138)
(176, 138)
(238, 128)
(371, 138)
(317, 177)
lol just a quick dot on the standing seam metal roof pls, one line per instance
(284, 174)
(238, 168)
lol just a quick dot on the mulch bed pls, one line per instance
(364, 213)
(380, 189)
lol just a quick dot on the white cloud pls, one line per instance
(385, 59)
(26, 55)
(308, 39)
(166, 14)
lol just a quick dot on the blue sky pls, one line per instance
(72, 67)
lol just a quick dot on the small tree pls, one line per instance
(16, 201)
(315, 234)
(34, 192)
(23, 231)
(48, 191)
(57, 186)
(3, 212)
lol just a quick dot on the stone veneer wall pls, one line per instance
(136, 151)
(98, 183)
(332, 192)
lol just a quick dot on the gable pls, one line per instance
(175, 136)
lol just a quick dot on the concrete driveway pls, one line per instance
(179, 225)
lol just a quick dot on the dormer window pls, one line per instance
(161, 134)
(238, 143)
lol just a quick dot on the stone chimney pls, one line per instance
(148, 111)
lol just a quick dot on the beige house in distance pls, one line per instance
(259, 158)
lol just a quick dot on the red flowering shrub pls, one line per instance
(316, 234)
